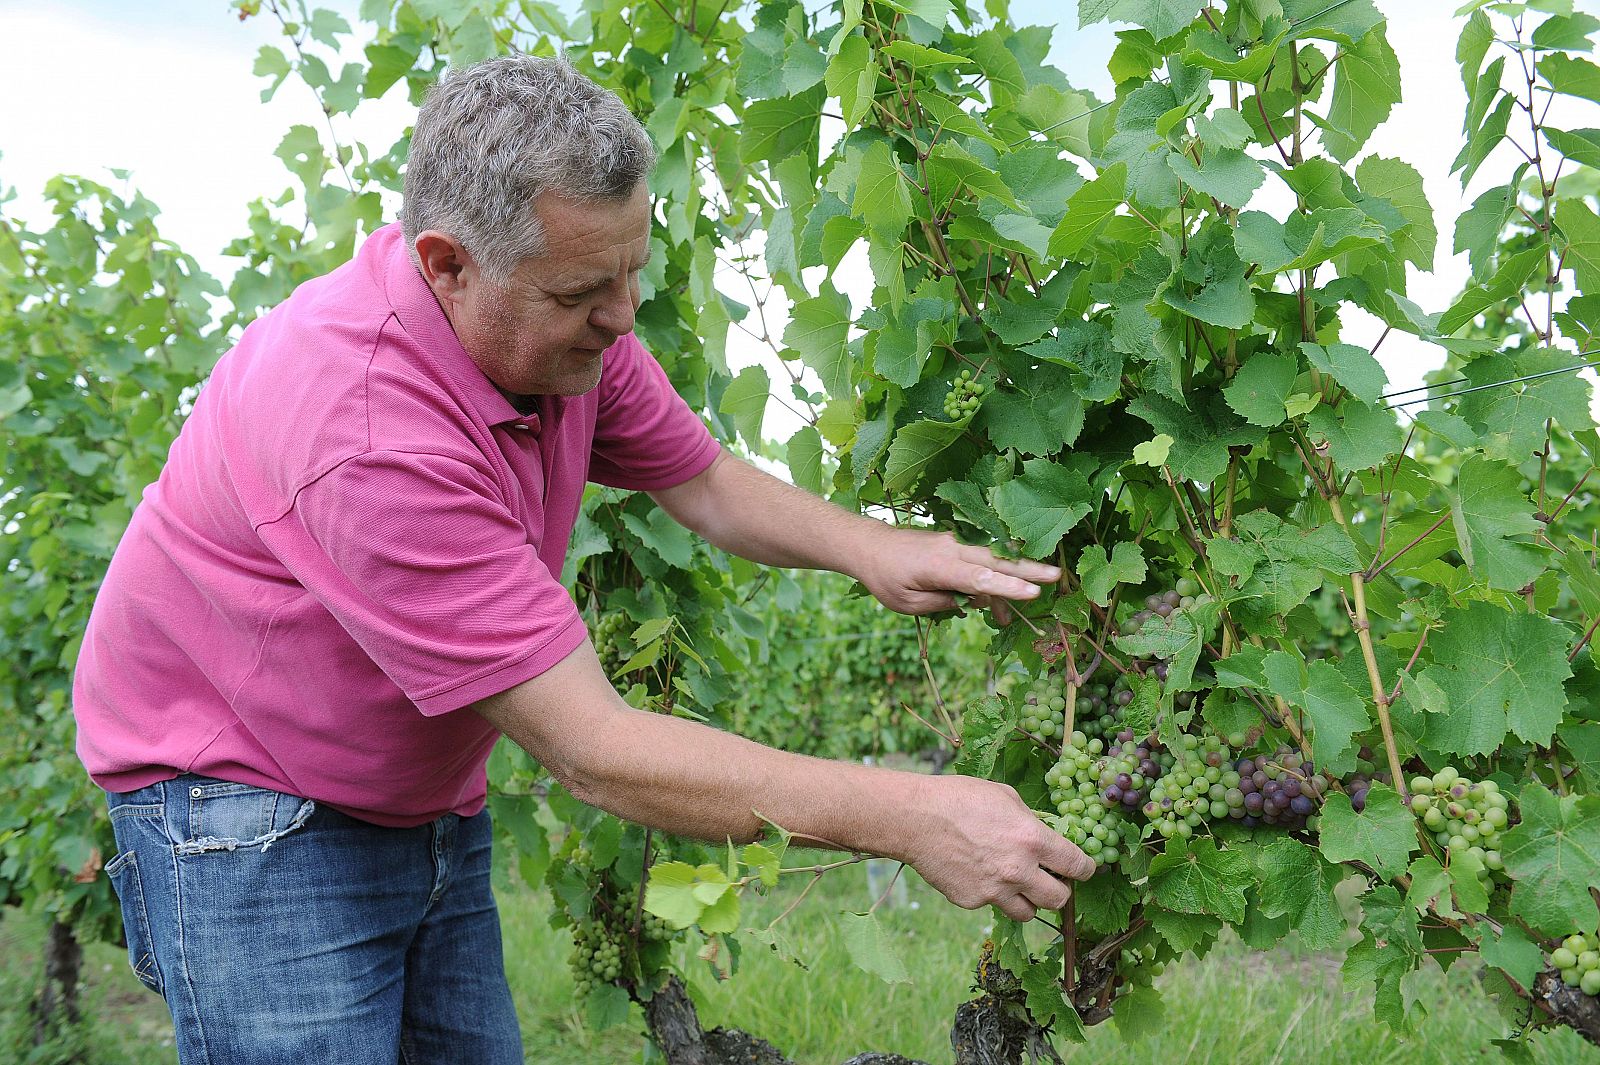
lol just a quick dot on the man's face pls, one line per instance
(544, 331)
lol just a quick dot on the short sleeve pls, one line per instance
(645, 436)
(420, 560)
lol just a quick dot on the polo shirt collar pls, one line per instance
(424, 320)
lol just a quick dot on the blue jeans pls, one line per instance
(281, 932)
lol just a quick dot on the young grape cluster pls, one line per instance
(1197, 787)
(1463, 815)
(1578, 958)
(608, 641)
(1044, 708)
(1139, 965)
(1086, 818)
(596, 956)
(964, 396)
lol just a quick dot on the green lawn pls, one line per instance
(1235, 1006)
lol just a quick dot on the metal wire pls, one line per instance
(1492, 384)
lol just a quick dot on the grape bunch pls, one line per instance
(1139, 965)
(1044, 708)
(596, 956)
(609, 635)
(1463, 815)
(1282, 789)
(1578, 958)
(1099, 708)
(1200, 785)
(1097, 827)
(963, 397)
(1184, 593)
(1129, 769)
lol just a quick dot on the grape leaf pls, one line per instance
(1490, 510)
(1571, 76)
(1353, 367)
(1305, 240)
(1400, 184)
(1554, 856)
(1200, 438)
(1223, 296)
(1582, 229)
(1512, 952)
(852, 76)
(745, 401)
(1296, 883)
(1336, 711)
(1579, 145)
(1042, 504)
(1178, 637)
(1101, 572)
(1163, 18)
(1484, 139)
(882, 198)
(1047, 1002)
(1087, 209)
(803, 456)
(1382, 836)
(774, 130)
(1582, 741)
(986, 725)
(1258, 390)
(1227, 175)
(915, 446)
(871, 948)
(1184, 931)
(1281, 563)
(818, 329)
(1390, 949)
(1366, 86)
(1360, 437)
(1566, 33)
(1471, 48)
(1195, 877)
(1479, 227)
(1499, 670)
(679, 893)
(972, 507)
(901, 346)
(1511, 418)
(1104, 903)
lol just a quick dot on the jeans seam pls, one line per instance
(183, 958)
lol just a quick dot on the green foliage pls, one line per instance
(1172, 392)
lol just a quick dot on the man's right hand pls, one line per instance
(983, 846)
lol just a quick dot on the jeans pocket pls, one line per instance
(224, 816)
(124, 873)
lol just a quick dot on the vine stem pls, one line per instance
(1363, 626)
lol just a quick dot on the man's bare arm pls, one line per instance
(973, 840)
(754, 515)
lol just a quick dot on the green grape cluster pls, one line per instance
(1097, 711)
(1139, 965)
(609, 635)
(1201, 784)
(596, 956)
(964, 396)
(1085, 817)
(1044, 708)
(1578, 958)
(1465, 816)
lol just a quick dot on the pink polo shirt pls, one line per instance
(355, 535)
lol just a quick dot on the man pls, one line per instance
(341, 592)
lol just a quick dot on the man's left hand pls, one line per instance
(918, 571)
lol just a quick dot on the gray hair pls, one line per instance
(493, 136)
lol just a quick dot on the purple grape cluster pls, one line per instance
(1282, 789)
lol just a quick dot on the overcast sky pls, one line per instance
(163, 88)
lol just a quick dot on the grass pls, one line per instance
(1234, 1006)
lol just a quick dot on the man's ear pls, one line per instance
(446, 265)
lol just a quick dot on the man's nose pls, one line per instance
(615, 313)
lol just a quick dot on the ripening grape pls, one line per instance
(1200, 785)
(1464, 816)
(963, 397)
(1282, 789)
(1578, 958)
(1084, 816)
